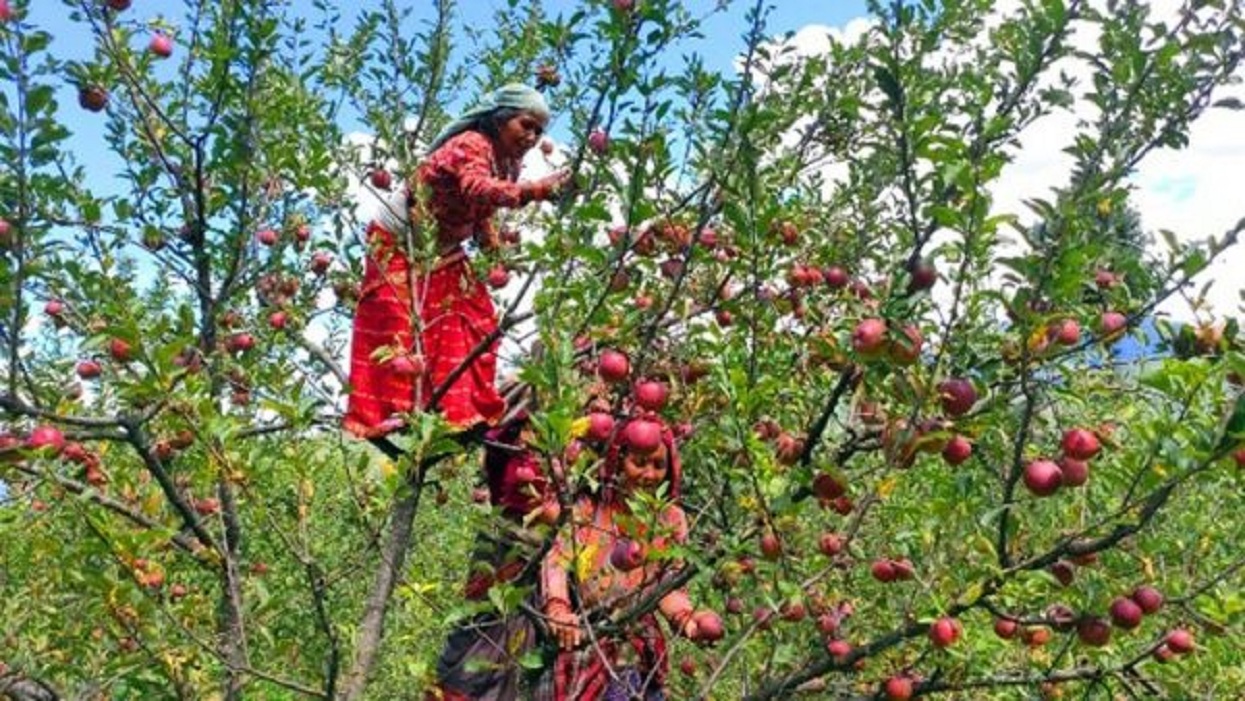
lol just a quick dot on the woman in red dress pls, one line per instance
(425, 323)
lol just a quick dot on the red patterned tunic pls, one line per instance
(466, 182)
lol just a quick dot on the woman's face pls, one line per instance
(644, 471)
(517, 135)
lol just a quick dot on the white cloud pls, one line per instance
(1192, 192)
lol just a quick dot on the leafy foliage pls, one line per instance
(207, 531)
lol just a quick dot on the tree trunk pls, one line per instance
(372, 625)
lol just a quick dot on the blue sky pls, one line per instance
(718, 47)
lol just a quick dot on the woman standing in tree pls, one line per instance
(425, 324)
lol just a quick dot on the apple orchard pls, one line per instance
(916, 461)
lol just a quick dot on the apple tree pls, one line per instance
(917, 460)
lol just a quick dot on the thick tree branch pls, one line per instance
(18, 687)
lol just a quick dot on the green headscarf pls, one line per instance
(514, 95)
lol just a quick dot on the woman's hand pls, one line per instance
(563, 624)
(549, 187)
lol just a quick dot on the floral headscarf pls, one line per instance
(513, 96)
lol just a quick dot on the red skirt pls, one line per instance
(455, 315)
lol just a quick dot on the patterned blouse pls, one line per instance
(467, 182)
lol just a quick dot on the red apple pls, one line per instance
(924, 275)
(1043, 477)
(734, 606)
(54, 308)
(1075, 472)
(1005, 628)
(6, 14)
(6, 229)
(793, 611)
(626, 555)
(119, 5)
(671, 268)
(88, 369)
(613, 366)
(709, 626)
(829, 622)
(302, 233)
(651, 394)
(48, 437)
(771, 546)
(268, 237)
(525, 474)
(1080, 443)
(957, 450)
(1035, 636)
(1163, 654)
(839, 649)
(152, 580)
(1105, 279)
(598, 141)
(788, 449)
(161, 45)
(643, 436)
(381, 179)
(1112, 324)
(1125, 613)
(898, 688)
(76, 452)
(724, 317)
(883, 570)
(1063, 571)
(207, 506)
(708, 238)
(906, 349)
(944, 632)
(1148, 598)
(1093, 631)
(320, 262)
(1180, 641)
(828, 485)
(835, 277)
(407, 365)
(830, 544)
(762, 615)
(120, 351)
(498, 276)
(1068, 333)
(624, 6)
(869, 337)
(278, 320)
(842, 506)
(904, 570)
(240, 342)
(92, 98)
(600, 426)
(957, 396)
(789, 233)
